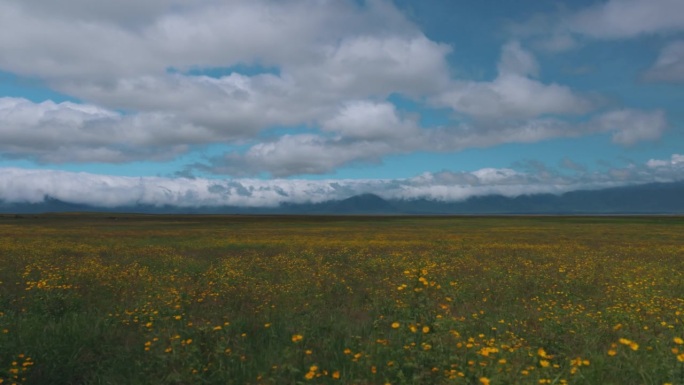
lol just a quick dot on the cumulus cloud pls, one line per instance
(361, 131)
(617, 19)
(669, 66)
(145, 93)
(324, 55)
(33, 186)
(70, 132)
(337, 46)
(676, 160)
(235, 104)
(513, 94)
(517, 61)
(370, 121)
(603, 20)
(632, 126)
(297, 155)
(373, 130)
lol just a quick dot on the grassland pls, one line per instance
(91, 299)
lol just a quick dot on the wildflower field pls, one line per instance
(93, 299)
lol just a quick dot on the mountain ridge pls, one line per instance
(651, 198)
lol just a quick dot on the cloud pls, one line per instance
(238, 105)
(71, 132)
(378, 65)
(517, 61)
(145, 91)
(676, 160)
(669, 67)
(619, 19)
(513, 94)
(631, 126)
(557, 42)
(368, 120)
(21, 185)
(139, 73)
(340, 47)
(366, 132)
(361, 131)
(603, 20)
(297, 155)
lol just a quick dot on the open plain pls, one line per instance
(126, 299)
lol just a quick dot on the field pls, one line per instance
(92, 299)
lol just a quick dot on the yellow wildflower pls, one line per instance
(632, 345)
(542, 353)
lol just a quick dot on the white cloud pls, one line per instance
(334, 64)
(20, 185)
(669, 67)
(615, 19)
(517, 61)
(366, 132)
(367, 120)
(676, 160)
(362, 131)
(299, 154)
(324, 55)
(602, 20)
(131, 12)
(237, 105)
(632, 126)
(513, 94)
(369, 49)
(378, 65)
(71, 132)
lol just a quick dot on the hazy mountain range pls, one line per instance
(654, 198)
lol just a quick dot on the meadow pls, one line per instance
(97, 299)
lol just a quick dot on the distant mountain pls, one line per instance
(654, 198)
(365, 203)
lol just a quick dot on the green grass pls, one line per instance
(89, 299)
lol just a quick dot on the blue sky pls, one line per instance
(156, 101)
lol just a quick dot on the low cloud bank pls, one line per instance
(33, 186)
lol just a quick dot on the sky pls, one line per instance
(258, 102)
